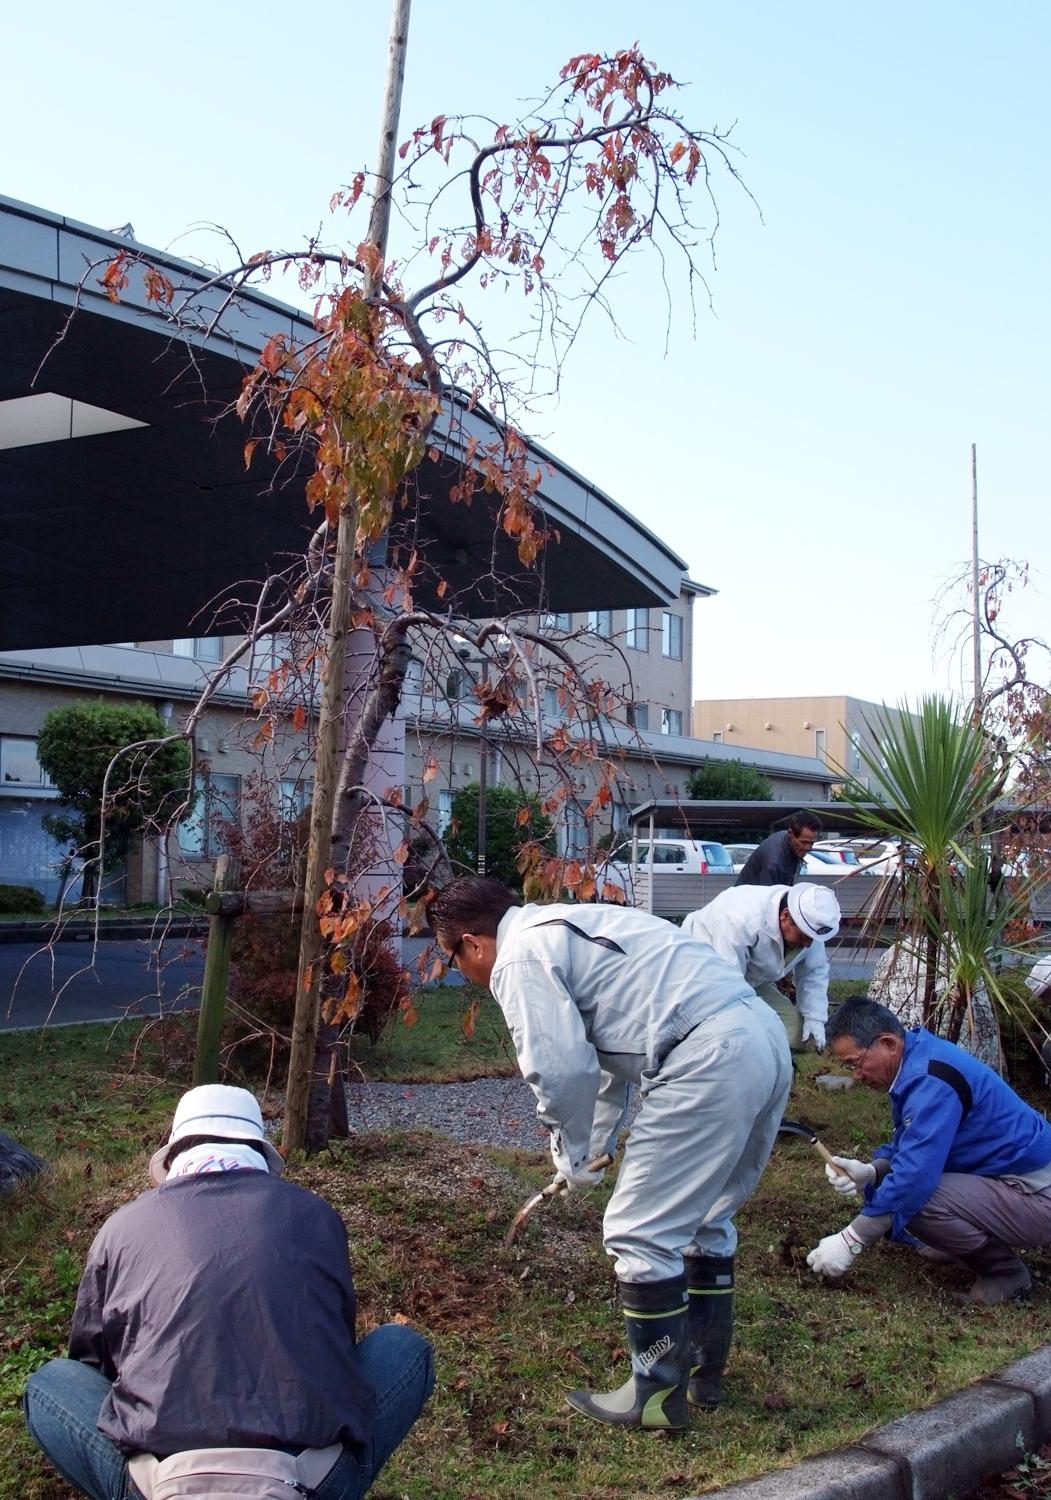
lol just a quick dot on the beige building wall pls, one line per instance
(841, 730)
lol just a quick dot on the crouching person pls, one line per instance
(597, 998)
(214, 1330)
(967, 1171)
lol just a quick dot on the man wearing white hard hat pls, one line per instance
(768, 931)
(214, 1334)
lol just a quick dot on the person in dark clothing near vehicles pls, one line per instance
(967, 1171)
(778, 859)
(215, 1326)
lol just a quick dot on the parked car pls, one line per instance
(838, 851)
(874, 855)
(669, 857)
(817, 862)
(739, 855)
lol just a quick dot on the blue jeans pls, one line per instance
(63, 1400)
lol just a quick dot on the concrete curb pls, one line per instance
(109, 931)
(939, 1453)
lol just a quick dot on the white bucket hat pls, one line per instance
(217, 1111)
(1039, 977)
(814, 910)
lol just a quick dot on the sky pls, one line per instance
(804, 445)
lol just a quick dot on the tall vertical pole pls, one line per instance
(976, 621)
(483, 780)
(311, 948)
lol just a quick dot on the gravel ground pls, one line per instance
(484, 1112)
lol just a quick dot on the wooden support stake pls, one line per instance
(216, 974)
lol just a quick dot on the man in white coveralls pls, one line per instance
(596, 998)
(768, 931)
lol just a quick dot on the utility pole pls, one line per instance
(311, 948)
(483, 775)
(976, 623)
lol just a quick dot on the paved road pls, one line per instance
(61, 986)
(125, 979)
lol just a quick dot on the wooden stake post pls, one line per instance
(224, 904)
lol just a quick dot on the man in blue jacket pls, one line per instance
(967, 1170)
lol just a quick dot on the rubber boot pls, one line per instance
(1000, 1276)
(654, 1395)
(710, 1325)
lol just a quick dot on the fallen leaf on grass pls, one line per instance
(774, 1401)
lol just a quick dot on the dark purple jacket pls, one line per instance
(222, 1308)
(773, 862)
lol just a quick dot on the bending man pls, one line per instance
(596, 998)
(218, 1312)
(768, 931)
(967, 1170)
(778, 859)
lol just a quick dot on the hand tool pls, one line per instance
(808, 1133)
(555, 1186)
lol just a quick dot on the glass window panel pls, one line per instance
(637, 632)
(19, 765)
(671, 635)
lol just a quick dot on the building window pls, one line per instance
(201, 648)
(19, 765)
(819, 743)
(600, 622)
(458, 685)
(555, 621)
(855, 750)
(445, 812)
(637, 630)
(201, 836)
(717, 737)
(296, 797)
(639, 715)
(671, 635)
(671, 721)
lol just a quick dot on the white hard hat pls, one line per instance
(217, 1111)
(814, 910)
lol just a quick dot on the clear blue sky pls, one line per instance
(808, 453)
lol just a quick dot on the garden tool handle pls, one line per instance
(827, 1157)
(597, 1164)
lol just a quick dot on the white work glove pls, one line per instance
(814, 1031)
(835, 1254)
(582, 1178)
(855, 1174)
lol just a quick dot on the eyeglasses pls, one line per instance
(454, 953)
(854, 1066)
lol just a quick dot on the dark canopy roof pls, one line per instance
(134, 533)
(700, 817)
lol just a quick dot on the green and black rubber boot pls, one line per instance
(710, 1325)
(654, 1395)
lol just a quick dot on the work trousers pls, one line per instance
(64, 1398)
(788, 1013)
(965, 1214)
(706, 1125)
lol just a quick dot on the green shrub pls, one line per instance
(21, 900)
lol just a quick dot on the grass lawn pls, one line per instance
(812, 1365)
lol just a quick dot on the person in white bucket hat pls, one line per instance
(215, 1326)
(768, 932)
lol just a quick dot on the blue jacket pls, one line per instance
(951, 1114)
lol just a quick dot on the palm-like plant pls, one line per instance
(935, 787)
